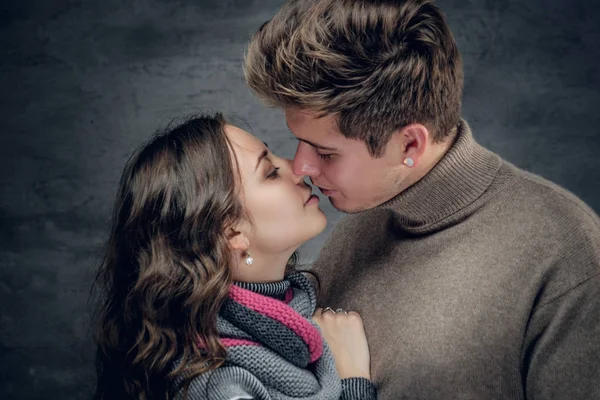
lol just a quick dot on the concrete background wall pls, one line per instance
(84, 82)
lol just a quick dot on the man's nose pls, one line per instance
(303, 163)
(296, 178)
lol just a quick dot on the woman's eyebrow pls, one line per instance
(261, 157)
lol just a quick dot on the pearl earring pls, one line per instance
(409, 162)
(249, 259)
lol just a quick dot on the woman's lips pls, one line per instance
(313, 199)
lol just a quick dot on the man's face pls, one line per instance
(342, 168)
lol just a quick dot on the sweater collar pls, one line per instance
(460, 178)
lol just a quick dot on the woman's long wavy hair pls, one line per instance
(166, 270)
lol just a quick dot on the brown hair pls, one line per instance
(378, 65)
(166, 271)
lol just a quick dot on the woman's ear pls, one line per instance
(238, 240)
(239, 244)
(238, 237)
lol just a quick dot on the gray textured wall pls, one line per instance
(82, 83)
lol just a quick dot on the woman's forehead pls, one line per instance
(246, 146)
(243, 139)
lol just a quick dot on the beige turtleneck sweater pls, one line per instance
(481, 281)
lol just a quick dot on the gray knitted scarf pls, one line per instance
(274, 350)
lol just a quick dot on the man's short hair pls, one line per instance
(377, 65)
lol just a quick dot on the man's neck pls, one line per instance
(454, 176)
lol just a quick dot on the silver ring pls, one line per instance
(341, 310)
(327, 309)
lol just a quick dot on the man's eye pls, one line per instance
(324, 156)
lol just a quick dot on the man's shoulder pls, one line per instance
(556, 225)
(542, 199)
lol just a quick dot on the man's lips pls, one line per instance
(326, 192)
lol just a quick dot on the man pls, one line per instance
(475, 280)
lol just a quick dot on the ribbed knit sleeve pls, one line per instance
(358, 389)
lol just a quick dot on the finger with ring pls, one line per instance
(341, 310)
(327, 309)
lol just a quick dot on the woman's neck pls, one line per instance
(265, 268)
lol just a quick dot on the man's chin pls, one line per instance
(345, 207)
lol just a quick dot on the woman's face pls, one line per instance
(283, 211)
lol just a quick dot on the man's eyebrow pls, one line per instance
(315, 145)
(262, 156)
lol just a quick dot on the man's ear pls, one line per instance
(415, 139)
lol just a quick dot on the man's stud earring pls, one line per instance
(409, 162)
(249, 259)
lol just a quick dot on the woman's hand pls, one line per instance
(345, 335)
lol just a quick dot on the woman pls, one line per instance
(200, 297)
